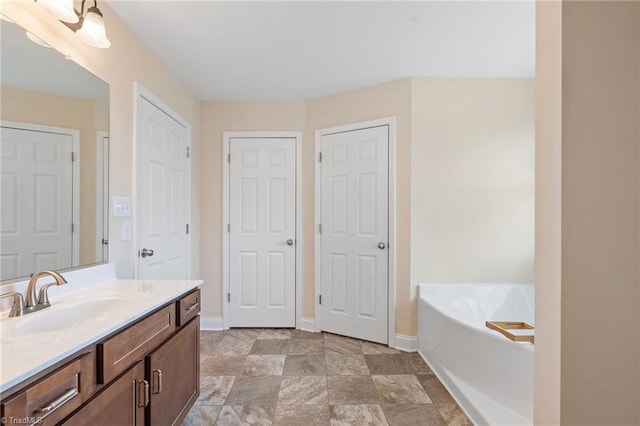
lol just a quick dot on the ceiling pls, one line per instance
(302, 50)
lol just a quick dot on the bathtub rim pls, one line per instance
(484, 330)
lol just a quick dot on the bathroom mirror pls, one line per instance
(53, 159)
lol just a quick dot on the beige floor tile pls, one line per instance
(305, 365)
(352, 390)
(413, 414)
(214, 389)
(357, 415)
(202, 415)
(220, 365)
(400, 389)
(263, 365)
(303, 390)
(302, 415)
(270, 347)
(244, 415)
(306, 346)
(274, 334)
(261, 390)
(346, 365)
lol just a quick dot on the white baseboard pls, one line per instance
(308, 324)
(406, 343)
(211, 323)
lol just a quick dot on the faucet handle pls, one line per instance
(17, 308)
(43, 295)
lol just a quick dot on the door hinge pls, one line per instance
(187, 228)
(228, 228)
(73, 227)
(188, 152)
(73, 156)
(229, 158)
(319, 228)
(320, 299)
(228, 297)
(320, 157)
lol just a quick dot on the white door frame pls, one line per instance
(391, 122)
(225, 217)
(140, 93)
(75, 176)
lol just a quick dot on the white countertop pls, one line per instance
(23, 355)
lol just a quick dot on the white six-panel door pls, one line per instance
(354, 233)
(262, 216)
(163, 189)
(37, 206)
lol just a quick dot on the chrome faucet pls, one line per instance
(42, 301)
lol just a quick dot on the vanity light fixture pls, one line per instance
(88, 26)
(37, 40)
(62, 9)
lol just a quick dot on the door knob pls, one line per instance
(289, 242)
(381, 245)
(146, 252)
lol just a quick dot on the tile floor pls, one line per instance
(292, 377)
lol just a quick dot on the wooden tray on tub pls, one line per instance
(503, 327)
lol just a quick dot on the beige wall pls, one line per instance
(217, 117)
(498, 117)
(600, 109)
(472, 193)
(33, 107)
(548, 202)
(128, 60)
(588, 135)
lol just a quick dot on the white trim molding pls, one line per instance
(406, 343)
(390, 122)
(307, 324)
(226, 137)
(211, 323)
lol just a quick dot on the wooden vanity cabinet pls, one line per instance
(54, 396)
(123, 402)
(146, 373)
(173, 371)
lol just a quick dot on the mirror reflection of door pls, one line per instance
(38, 196)
(102, 196)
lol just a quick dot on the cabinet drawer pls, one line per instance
(188, 307)
(119, 352)
(53, 397)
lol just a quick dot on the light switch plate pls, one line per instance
(126, 230)
(121, 206)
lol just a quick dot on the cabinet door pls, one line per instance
(173, 371)
(121, 403)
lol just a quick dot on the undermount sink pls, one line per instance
(54, 318)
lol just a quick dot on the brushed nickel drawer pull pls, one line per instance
(192, 308)
(57, 403)
(145, 393)
(158, 373)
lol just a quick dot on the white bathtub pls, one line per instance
(490, 376)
